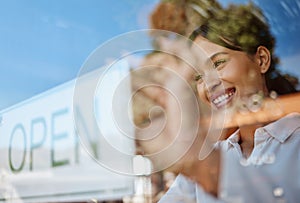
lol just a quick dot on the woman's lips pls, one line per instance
(220, 100)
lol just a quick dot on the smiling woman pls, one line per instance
(233, 78)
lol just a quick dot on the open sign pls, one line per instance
(42, 157)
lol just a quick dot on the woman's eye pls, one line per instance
(218, 63)
(198, 78)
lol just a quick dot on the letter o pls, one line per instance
(20, 128)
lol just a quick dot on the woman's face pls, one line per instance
(228, 77)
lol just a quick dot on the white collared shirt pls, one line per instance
(270, 174)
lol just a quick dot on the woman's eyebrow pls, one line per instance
(212, 57)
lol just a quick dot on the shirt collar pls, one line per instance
(283, 128)
(231, 140)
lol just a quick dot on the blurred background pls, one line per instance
(44, 43)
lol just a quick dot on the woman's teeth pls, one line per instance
(222, 98)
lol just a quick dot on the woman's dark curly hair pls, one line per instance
(245, 28)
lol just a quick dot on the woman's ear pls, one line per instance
(263, 58)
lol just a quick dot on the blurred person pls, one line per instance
(259, 161)
(182, 17)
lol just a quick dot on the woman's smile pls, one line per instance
(222, 99)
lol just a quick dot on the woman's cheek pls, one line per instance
(231, 72)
